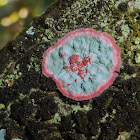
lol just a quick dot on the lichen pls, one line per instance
(30, 31)
(56, 119)
(9, 79)
(2, 106)
(114, 111)
(66, 109)
(33, 64)
(79, 60)
(137, 58)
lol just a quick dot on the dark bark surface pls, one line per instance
(31, 106)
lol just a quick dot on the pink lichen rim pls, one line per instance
(101, 87)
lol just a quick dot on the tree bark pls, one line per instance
(31, 106)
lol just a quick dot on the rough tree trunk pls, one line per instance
(31, 106)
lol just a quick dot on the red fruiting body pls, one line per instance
(76, 65)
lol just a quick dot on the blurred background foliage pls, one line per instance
(15, 15)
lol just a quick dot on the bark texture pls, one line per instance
(31, 106)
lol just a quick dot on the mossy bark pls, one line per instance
(31, 106)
